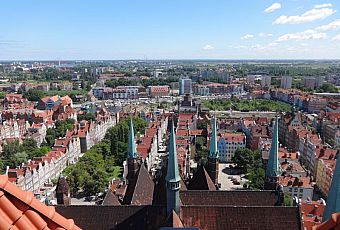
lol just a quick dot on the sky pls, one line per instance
(169, 29)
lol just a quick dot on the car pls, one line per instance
(236, 182)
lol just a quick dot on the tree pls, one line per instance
(34, 94)
(17, 159)
(247, 159)
(2, 95)
(87, 116)
(203, 124)
(202, 152)
(29, 145)
(250, 163)
(11, 148)
(256, 178)
(51, 135)
(328, 88)
(39, 152)
(288, 200)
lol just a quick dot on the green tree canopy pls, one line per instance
(34, 94)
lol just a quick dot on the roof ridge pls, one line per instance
(33, 203)
(210, 183)
(141, 168)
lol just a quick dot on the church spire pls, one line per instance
(213, 156)
(273, 162)
(172, 176)
(333, 200)
(213, 141)
(132, 143)
(132, 156)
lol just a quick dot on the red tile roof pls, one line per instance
(295, 181)
(233, 137)
(311, 212)
(182, 132)
(20, 210)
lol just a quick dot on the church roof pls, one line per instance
(201, 181)
(110, 198)
(219, 217)
(173, 221)
(115, 217)
(140, 190)
(229, 198)
(143, 193)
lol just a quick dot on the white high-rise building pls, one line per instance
(286, 82)
(266, 81)
(185, 86)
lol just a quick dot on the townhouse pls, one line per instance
(324, 175)
(300, 186)
(228, 143)
(31, 176)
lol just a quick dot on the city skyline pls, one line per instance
(85, 30)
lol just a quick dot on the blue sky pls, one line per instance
(169, 29)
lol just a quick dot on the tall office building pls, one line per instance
(286, 82)
(266, 81)
(185, 86)
(309, 82)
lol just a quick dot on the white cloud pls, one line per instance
(273, 7)
(308, 16)
(336, 38)
(238, 47)
(305, 35)
(265, 35)
(331, 26)
(272, 44)
(323, 5)
(247, 36)
(208, 47)
(257, 46)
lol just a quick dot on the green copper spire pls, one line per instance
(213, 141)
(172, 174)
(333, 200)
(132, 143)
(273, 162)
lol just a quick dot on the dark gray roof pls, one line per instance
(140, 190)
(114, 217)
(110, 198)
(261, 218)
(229, 198)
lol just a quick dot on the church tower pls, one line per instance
(273, 170)
(213, 155)
(132, 155)
(172, 176)
(333, 200)
(63, 191)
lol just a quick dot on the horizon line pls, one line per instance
(176, 59)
